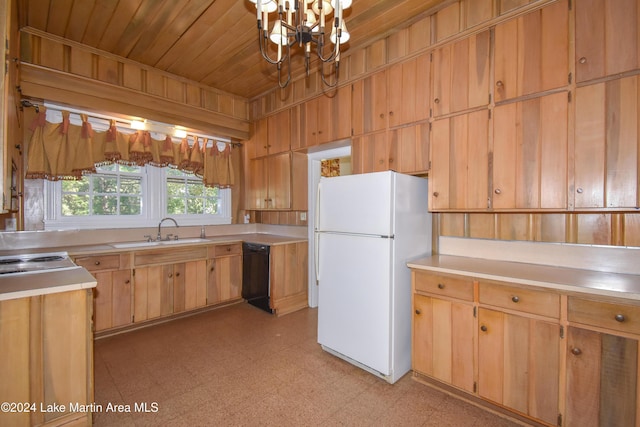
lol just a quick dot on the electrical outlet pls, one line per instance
(303, 216)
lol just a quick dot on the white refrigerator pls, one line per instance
(367, 227)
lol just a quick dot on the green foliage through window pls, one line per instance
(186, 194)
(113, 190)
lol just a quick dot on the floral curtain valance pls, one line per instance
(63, 151)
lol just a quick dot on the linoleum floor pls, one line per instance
(240, 366)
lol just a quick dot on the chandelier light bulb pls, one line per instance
(326, 7)
(344, 34)
(278, 34)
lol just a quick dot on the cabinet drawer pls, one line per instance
(99, 262)
(520, 299)
(230, 249)
(450, 286)
(619, 317)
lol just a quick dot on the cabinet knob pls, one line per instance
(319, 132)
(497, 191)
(583, 60)
(391, 113)
(499, 83)
(382, 115)
(212, 269)
(418, 311)
(437, 100)
(440, 286)
(170, 275)
(579, 190)
(483, 328)
(436, 194)
(576, 351)
(126, 282)
(515, 298)
(177, 274)
(620, 318)
(97, 263)
(228, 249)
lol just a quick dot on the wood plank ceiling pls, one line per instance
(213, 42)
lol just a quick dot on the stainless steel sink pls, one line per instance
(145, 244)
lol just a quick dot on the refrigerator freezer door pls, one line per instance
(354, 307)
(357, 204)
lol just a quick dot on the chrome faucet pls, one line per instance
(159, 236)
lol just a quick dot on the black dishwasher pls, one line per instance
(255, 275)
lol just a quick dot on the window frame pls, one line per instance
(154, 208)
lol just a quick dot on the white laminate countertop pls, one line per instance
(75, 250)
(559, 278)
(45, 282)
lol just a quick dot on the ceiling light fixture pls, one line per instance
(302, 22)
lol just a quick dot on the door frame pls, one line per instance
(338, 149)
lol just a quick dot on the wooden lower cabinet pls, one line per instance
(112, 302)
(443, 337)
(224, 273)
(288, 272)
(602, 379)
(47, 359)
(519, 363)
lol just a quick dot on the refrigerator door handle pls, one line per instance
(316, 254)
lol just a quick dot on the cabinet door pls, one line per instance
(177, 277)
(224, 281)
(375, 102)
(309, 112)
(606, 144)
(519, 363)
(408, 89)
(257, 184)
(460, 162)
(147, 293)
(602, 378)
(257, 146)
(410, 146)
(195, 279)
(279, 132)
(461, 75)
(531, 52)
(334, 115)
(530, 153)
(112, 299)
(288, 269)
(443, 341)
(279, 181)
(370, 153)
(606, 38)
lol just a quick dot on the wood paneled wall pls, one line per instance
(454, 21)
(61, 70)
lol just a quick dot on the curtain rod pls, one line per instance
(53, 107)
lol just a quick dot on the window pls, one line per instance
(119, 196)
(113, 190)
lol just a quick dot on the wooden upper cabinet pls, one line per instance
(257, 146)
(531, 52)
(606, 38)
(327, 118)
(459, 173)
(279, 132)
(369, 104)
(461, 75)
(530, 154)
(409, 91)
(410, 148)
(606, 145)
(371, 153)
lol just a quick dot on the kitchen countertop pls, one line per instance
(559, 278)
(62, 280)
(75, 250)
(45, 282)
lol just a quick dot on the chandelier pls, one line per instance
(302, 23)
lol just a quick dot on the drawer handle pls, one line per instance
(418, 311)
(620, 318)
(440, 286)
(576, 351)
(483, 328)
(515, 298)
(97, 263)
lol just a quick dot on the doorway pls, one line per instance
(341, 149)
